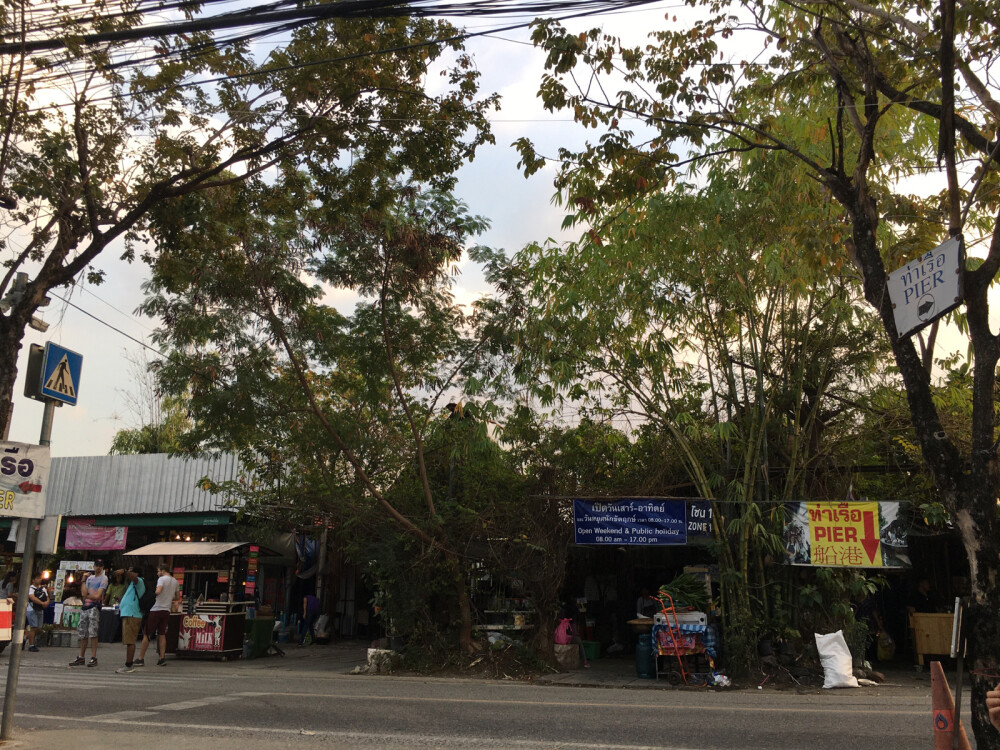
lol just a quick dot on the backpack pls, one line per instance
(41, 594)
(148, 598)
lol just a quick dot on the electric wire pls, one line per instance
(271, 70)
(108, 325)
(481, 8)
(308, 14)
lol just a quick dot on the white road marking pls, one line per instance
(914, 710)
(198, 703)
(124, 715)
(376, 739)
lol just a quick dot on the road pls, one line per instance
(311, 702)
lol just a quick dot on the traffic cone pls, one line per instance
(943, 711)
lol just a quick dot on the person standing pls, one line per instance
(159, 617)
(93, 591)
(131, 614)
(38, 600)
(8, 585)
(310, 613)
(116, 589)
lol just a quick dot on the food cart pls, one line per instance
(214, 610)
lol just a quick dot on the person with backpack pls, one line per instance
(38, 600)
(131, 614)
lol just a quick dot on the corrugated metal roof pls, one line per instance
(146, 484)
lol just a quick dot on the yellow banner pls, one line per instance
(844, 534)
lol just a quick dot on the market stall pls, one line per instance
(216, 585)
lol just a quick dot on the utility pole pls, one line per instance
(17, 637)
(21, 608)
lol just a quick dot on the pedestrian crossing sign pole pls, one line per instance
(61, 374)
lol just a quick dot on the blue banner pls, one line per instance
(625, 521)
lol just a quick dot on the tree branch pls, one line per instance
(318, 412)
(390, 359)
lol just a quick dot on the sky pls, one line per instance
(100, 323)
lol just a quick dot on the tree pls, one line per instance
(859, 95)
(105, 145)
(158, 422)
(693, 320)
(344, 417)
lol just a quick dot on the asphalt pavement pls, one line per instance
(310, 698)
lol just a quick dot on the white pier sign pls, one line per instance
(926, 288)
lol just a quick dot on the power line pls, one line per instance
(302, 15)
(121, 312)
(265, 71)
(113, 328)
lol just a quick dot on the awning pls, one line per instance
(162, 549)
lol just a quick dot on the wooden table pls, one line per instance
(931, 633)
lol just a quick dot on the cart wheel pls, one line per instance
(674, 678)
(3, 645)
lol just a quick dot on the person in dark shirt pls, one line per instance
(923, 599)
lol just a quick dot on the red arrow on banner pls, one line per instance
(870, 540)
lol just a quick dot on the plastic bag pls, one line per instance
(564, 632)
(886, 647)
(835, 656)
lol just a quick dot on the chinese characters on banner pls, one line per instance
(846, 535)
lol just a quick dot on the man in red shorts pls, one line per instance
(159, 617)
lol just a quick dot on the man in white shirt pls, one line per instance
(159, 617)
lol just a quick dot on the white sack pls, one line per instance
(838, 671)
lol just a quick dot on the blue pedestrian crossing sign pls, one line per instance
(61, 374)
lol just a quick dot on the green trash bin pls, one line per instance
(259, 630)
(645, 660)
(592, 649)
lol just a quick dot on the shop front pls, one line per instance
(215, 613)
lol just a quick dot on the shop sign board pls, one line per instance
(927, 288)
(637, 522)
(64, 569)
(251, 580)
(846, 535)
(24, 474)
(201, 633)
(699, 519)
(81, 533)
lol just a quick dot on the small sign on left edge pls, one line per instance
(24, 474)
